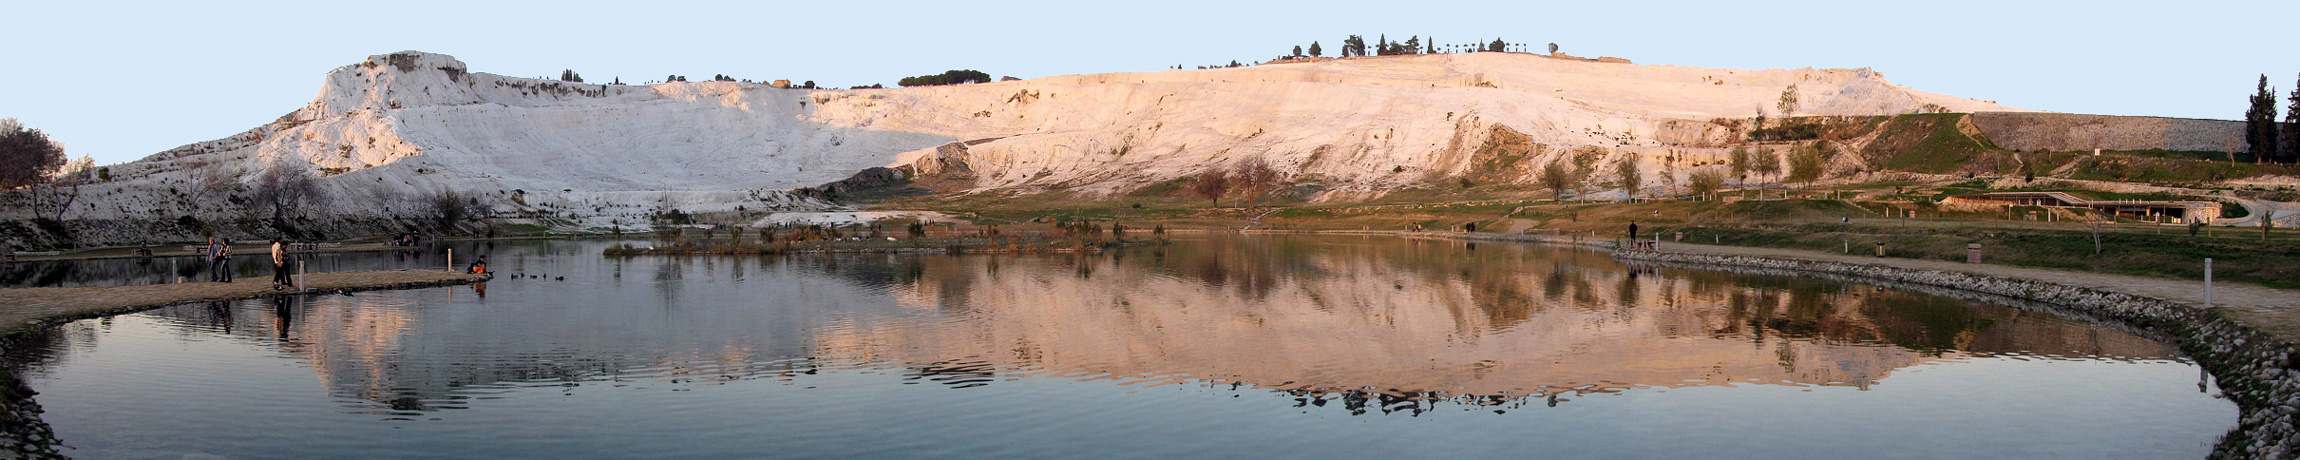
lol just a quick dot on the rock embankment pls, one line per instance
(2071, 132)
(2252, 368)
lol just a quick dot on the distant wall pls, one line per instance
(2065, 132)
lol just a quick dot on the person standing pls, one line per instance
(1632, 230)
(219, 261)
(280, 278)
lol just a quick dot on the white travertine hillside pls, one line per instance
(398, 126)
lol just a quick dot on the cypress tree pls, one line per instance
(2260, 131)
(2291, 152)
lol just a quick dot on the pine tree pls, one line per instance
(2260, 131)
(570, 76)
(1297, 51)
(1497, 45)
(1315, 50)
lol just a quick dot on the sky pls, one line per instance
(121, 80)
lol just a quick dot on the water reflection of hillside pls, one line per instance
(1451, 318)
(1374, 324)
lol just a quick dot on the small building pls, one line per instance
(2184, 211)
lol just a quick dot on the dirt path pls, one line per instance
(25, 308)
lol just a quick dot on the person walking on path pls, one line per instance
(219, 261)
(280, 278)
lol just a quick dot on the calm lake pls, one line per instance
(1212, 347)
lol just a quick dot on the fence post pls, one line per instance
(2208, 282)
(450, 259)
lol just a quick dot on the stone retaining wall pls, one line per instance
(2253, 369)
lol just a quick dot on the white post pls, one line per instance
(450, 259)
(2208, 282)
(300, 273)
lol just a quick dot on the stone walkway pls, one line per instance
(25, 308)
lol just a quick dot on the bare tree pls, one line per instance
(285, 186)
(446, 208)
(54, 197)
(1212, 184)
(1256, 178)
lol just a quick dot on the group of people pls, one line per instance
(219, 254)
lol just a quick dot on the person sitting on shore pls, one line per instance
(478, 267)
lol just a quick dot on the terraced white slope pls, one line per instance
(402, 125)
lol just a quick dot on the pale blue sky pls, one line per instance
(121, 80)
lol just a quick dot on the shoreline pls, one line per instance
(31, 308)
(2252, 368)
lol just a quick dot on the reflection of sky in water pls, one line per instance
(1208, 349)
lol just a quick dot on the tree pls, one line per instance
(1760, 122)
(2267, 222)
(1497, 46)
(1706, 181)
(1630, 179)
(1739, 159)
(570, 76)
(1297, 51)
(27, 156)
(1354, 46)
(1413, 45)
(1556, 177)
(1553, 48)
(2291, 153)
(1212, 184)
(952, 77)
(1788, 102)
(285, 186)
(1256, 178)
(2260, 123)
(447, 208)
(1430, 47)
(2094, 224)
(1765, 163)
(1806, 162)
(1316, 51)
